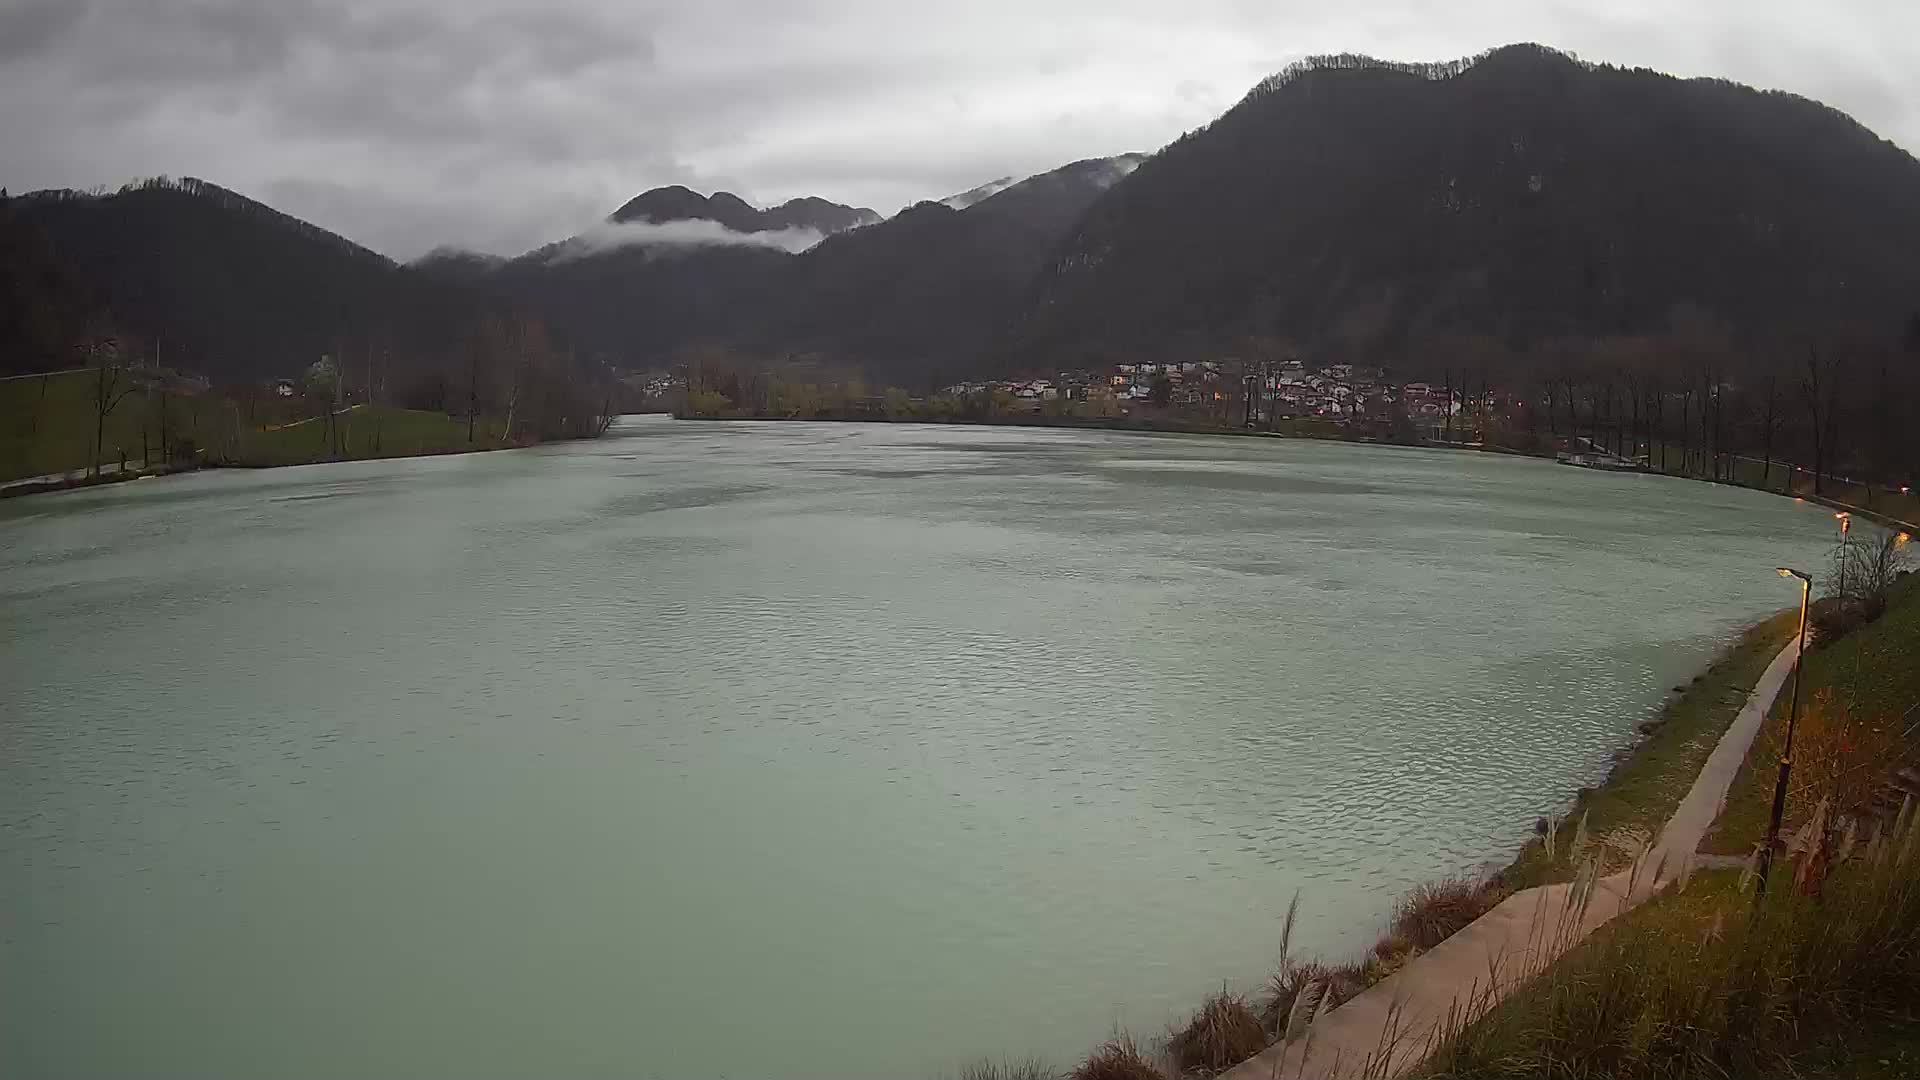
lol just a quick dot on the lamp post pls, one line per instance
(1845, 520)
(1793, 717)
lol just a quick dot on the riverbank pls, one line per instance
(1376, 434)
(1295, 429)
(80, 480)
(1659, 796)
(376, 434)
(1650, 775)
(50, 436)
(1902, 513)
(1815, 979)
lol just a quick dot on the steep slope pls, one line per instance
(231, 288)
(920, 296)
(908, 298)
(1367, 206)
(43, 305)
(973, 195)
(638, 305)
(234, 285)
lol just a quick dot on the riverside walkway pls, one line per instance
(1387, 1030)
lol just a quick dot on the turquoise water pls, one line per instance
(792, 750)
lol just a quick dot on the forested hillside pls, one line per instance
(190, 277)
(1521, 217)
(1362, 208)
(910, 299)
(228, 287)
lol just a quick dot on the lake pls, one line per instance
(793, 750)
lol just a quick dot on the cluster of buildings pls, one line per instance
(1283, 390)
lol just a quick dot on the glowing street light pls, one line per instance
(1786, 752)
(1845, 519)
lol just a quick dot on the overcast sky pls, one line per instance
(498, 126)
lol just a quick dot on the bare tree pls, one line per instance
(111, 385)
(1769, 424)
(1819, 388)
(1866, 567)
(1883, 448)
(1657, 423)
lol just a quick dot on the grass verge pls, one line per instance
(47, 429)
(1860, 718)
(1647, 784)
(1704, 983)
(1641, 793)
(1820, 978)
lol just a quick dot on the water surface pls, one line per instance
(792, 750)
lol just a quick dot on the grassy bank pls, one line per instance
(1822, 978)
(47, 428)
(1700, 982)
(1642, 792)
(1860, 717)
(1649, 780)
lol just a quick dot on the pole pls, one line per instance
(1786, 754)
(1845, 520)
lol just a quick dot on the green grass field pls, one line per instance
(369, 432)
(47, 427)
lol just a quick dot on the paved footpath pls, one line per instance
(1385, 1031)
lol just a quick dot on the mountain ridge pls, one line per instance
(1361, 206)
(676, 202)
(1345, 207)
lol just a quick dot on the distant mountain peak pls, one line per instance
(676, 203)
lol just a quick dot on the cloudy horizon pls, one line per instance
(498, 127)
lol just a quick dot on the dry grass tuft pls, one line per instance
(1117, 1059)
(1030, 1069)
(1707, 984)
(1327, 987)
(1224, 1033)
(1433, 912)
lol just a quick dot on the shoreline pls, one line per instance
(16, 489)
(1144, 426)
(1653, 782)
(1391, 1025)
(1643, 769)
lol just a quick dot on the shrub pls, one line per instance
(1117, 1059)
(1435, 911)
(1832, 618)
(1694, 986)
(1224, 1033)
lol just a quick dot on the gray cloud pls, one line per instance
(503, 125)
(606, 236)
(30, 26)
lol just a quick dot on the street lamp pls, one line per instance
(1793, 717)
(1845, 520)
